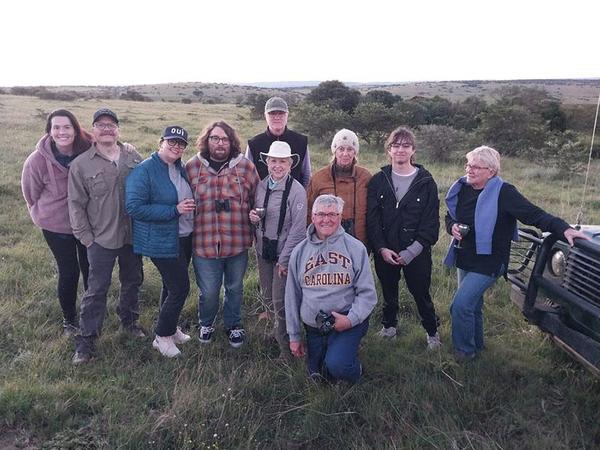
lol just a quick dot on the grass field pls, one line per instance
(522, 393)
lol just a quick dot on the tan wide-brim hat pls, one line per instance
(280, 149)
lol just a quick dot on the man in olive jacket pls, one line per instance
(402, 226)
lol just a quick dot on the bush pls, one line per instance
(564, 152)
(334, 94)
(320, 121)
(134, 96)
(442, 143)
(511, 129)
(371, 121)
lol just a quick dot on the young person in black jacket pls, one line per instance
(402, 226)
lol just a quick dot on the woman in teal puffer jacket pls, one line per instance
(160, 202)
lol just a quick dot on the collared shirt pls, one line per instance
(97, 197)
(223, 231)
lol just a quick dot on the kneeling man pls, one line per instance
(330, 291)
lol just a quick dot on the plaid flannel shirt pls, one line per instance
(225, 233)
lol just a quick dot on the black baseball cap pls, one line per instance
(175, 132)
(105, 112)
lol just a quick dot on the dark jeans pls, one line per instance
(418, 280)
(176, 287)
(93, 303)
(335, 356)
(71, 259)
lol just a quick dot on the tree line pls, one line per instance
(519, 121)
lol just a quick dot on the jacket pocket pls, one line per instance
(97, 184)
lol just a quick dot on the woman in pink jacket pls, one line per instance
(44, 185)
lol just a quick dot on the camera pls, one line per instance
(269, 249)
(222, 205)
(325, 322)
(348, 225)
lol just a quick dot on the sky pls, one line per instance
(123, 42)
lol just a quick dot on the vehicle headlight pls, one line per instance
(558, 264)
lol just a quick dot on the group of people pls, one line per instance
(97, 202)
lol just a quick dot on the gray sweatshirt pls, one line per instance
(330, 275)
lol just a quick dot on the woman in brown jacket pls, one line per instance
(344, 178)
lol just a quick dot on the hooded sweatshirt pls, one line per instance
(44, 184)
(333, 274)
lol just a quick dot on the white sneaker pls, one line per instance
(433, 342)
(166, 346)
(389, 332)
(180, 337)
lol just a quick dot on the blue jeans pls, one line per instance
(210, 274)
(335, 356)
(467, 311)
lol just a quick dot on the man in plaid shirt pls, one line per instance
(223, 182)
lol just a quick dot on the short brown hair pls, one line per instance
(234, 140)
(401, 135)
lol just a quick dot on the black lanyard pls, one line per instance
(283, 207)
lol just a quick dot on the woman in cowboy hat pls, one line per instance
(279, 218)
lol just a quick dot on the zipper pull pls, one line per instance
(397, 204)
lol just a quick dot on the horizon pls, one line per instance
(306, 83)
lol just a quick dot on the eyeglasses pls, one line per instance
(471, 166)
(398, 145)
(105, 126)
(217, 139)
(176, 143)
(330, 215)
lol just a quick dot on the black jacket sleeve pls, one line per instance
(374, 220)
(449, 223)
(528, 213)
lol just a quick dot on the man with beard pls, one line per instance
(223, 182)
(276, 115)
(96, 197)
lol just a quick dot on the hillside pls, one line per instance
(569, 91)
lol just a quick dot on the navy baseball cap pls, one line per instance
(175, 132)
(105, 112)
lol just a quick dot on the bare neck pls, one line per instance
(111, 151)
(403, 169)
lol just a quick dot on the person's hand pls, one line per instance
(129, 148)
(281, 271)
(297, 349)
(187, 205)
(254, 218)
(342, 323)
(390, 256)
(572, 233)
(455, 233)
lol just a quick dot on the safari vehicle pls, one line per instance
(557, 288)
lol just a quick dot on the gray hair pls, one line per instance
(487, 155)
(328, 200)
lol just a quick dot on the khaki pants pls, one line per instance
(272, 287)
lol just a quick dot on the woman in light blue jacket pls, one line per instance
(160, 202)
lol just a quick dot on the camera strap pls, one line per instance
(353, 189)
(283, 207)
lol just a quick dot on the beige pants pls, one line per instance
(272, 287)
